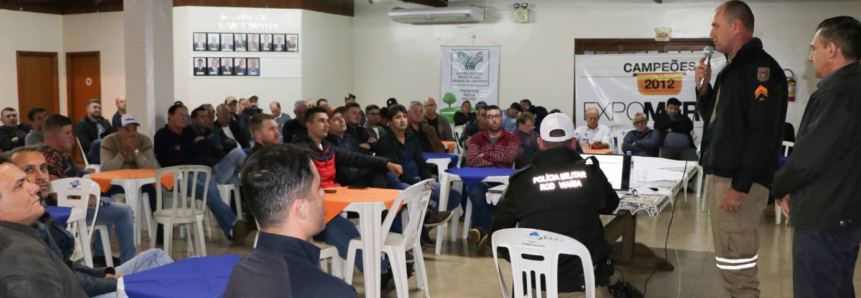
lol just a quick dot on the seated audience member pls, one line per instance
(91, 129)
(338, 137)
(573, 212)
(127, 149)
(280, 117)
(384, 120)
(229, 127)
(642, 141)
(284, 192)
(58, 142)
(597, 135)
(373, 126)
(251, 107)
(61, 243)
(526, 135)
(476, 125)
(310, 103)
(173, 148)
(353, 117)
(323, 103)
(538, 112)
(237, 112)
(215, 150)
(352, 99)
(296, 127)
(265, 130)
(403, 148)
(12, 135)
(391, 101)
(436, 121)
(490, 148)
(675, 129)
(465, 114)
(426, 135)
(121, 110)
(509, 119)
(37, 117)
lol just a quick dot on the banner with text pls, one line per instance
(469, 73)
(620, 86)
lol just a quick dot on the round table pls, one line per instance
(131, 181)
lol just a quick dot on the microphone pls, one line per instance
(707, 52)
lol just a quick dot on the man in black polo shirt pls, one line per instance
(296, 127)
(571, 208)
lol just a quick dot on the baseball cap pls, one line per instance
(229, 99)
(392, 101)
(129, 119)
(557, 121)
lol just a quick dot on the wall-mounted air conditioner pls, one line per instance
(446, 15)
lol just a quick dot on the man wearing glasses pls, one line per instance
(643, 141)
(439, 124)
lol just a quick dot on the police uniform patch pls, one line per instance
(761, 93)
(763, 73)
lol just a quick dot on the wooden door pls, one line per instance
(37, 83)
(84, 83)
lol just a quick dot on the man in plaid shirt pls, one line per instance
(490, 148)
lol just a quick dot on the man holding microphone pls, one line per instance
(743, 116)
(819, 183)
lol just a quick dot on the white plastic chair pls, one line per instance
(618, 138)
(185, 209)
(778, 212)
(95, 168)
(83, 189)
(415, 199)
(547, 246)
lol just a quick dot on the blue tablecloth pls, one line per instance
(431, 155)
(61, 214)
(192, 277)
(472, 176)
(247, 150)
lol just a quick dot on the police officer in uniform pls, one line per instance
(743, 117)
(562, 193)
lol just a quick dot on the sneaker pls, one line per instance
(435, 218)
(240, 230)
(474, 236)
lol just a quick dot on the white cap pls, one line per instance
(129, 119)
(557, 121)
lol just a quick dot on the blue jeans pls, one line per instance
(225, 172)
(823, 262)
(95, 153)
(119, 215)
(338, 233)
(222, 212)
(482, 212)
(147, 260)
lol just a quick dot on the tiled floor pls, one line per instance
(460, 272)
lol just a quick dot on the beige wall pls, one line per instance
(403, 61)
(327, 65)
(103, 33)
(25, 31)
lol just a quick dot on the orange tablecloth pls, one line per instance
(598, 151)
(104, 178)
(336, 202)
(449, 145)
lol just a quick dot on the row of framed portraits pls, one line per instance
(226, 66)
(245, 42)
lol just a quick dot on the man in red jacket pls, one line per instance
(491, 148)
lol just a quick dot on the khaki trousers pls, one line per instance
(736, 237)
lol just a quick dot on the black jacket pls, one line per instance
(392, 148)
(8, 133)
(822, 175)
(573, 212)
(682, 124)
(326, 162)
(347, 175)
(744, 142)
(283, 266)
(540, 113)
(242, 136)
(293, 130)
(31, 268)
(87, 132)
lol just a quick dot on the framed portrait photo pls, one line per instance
(198, 42)
(278, 43)
(227, 42)
(227, 66)
(198, 66)
(240, 44)
(240, 68)
(265, 42)
(214, 42)
(213, 66)
(253, 67)
(293, 43)
(253, 41)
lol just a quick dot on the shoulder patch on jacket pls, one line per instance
(763, 73)
(761, 93)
